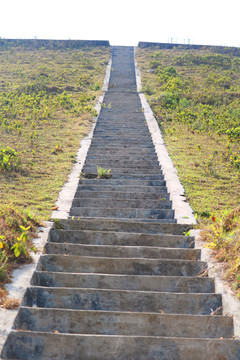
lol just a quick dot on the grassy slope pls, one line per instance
(46, 108)
(195, 97)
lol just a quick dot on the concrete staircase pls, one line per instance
(120, 280)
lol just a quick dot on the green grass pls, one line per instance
(195, 96)
(47, 99)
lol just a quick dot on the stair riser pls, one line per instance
(120, 204)
(177, 284)
(126, 266)
(116, 170)
(89, 192)
(115, 300)
(111, 323)
(44, 346)
(120, 238)
(125, 226)
(156, 191)
(124, 251)
(109, 163)
(122, 213)
(122, 182)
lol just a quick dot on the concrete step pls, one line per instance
(137, 141)
(115, 148)
(122, 323)
(121, 203)
(122, 300)
(128, 137)
(125, 182)
(108, 128)
(133, 176)
(148, 170)
(118, 238)
(132, 226)
(123, 213)
(124, 188)
(92, 192)
(107, 163)
(178, 284)
(150, 252)
(119, 157)
(120, 150)
(22, 345)
(127, 266)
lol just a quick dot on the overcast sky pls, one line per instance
(123, 22)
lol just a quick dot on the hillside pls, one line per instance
(47, 95)
(195, 96)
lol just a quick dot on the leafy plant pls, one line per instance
(9, 159)
(21, 245)
(3, 258)
(96, 86)
(58, 224)
(103, 173)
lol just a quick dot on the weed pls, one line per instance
(21, 244)
(9, 159)
(103, 173)
(58, 224)
(57, 150)
(3, 258)
(96, 86)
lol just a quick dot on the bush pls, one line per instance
(9, 159)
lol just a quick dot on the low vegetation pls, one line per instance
(47, 99)
(195, 96)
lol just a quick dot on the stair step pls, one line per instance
(123, 323)
(127, 157)
(93, 192)
(132, 164)
(122, 251)
(129, 266)
(122, 203)
(22, 345)
(156, 190)
(92, 237)
(136, 226)
(117, 170)
(126, 213)
(179, 284)
(125, 182)
(122, 300)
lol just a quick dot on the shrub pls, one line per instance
(9, 159)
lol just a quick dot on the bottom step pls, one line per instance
(23, 345)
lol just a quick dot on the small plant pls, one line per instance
(57, 150)
(58, 224)
(21, 245)
(103, 173)
(3, 258)
(96, 86)
(9, 159)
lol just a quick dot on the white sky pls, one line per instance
(124, 22)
